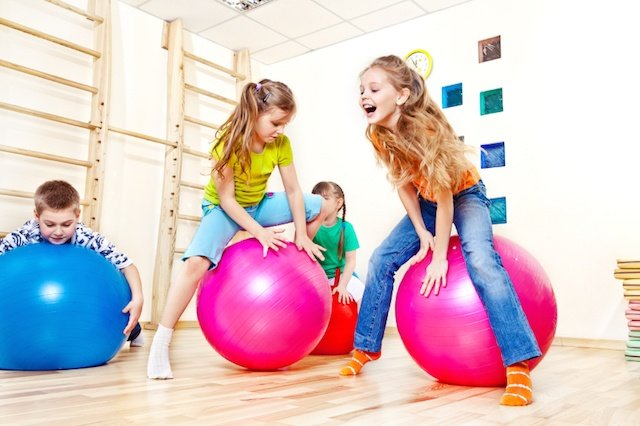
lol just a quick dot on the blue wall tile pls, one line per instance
(492, 155)
(491, 101)
(452, 95)
(498, 210)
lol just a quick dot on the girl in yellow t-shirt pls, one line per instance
(248, 147)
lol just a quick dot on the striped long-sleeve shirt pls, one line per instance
(30, 233)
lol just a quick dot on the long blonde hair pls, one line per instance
(236, 133)
(424, 148)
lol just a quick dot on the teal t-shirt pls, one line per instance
(329, 238)
(276, 153)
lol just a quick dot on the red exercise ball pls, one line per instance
(338, 339)
(449, 335)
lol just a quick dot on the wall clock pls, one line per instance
(421, 61)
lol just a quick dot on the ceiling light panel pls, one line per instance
(244, 5)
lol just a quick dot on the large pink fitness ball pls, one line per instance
(449, 335)
(264, 313)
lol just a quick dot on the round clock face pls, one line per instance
(421, 61)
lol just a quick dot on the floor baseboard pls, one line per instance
(575, 342)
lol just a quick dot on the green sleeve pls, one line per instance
(350, 238)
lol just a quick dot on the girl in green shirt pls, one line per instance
(339, 239)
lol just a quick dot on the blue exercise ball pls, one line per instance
(60, 308)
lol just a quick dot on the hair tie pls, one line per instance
(265, 98)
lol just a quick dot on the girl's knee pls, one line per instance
(376, 258)
(196, 266)
(325, 209)
(315, 207)
(381, 266)
(480, 255)
(500, 293)
(390, 255)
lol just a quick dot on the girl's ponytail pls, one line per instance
(344, 218)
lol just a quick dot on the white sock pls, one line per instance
(158, 366)
(138, 341)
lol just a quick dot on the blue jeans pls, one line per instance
(493, 285)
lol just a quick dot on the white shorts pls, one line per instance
(354, 286)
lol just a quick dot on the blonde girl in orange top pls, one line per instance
(438, 187)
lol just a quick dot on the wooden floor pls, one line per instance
(573, 386)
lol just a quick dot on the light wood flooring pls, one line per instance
(573, 386)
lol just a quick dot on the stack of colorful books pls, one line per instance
(628, 271)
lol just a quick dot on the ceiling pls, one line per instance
(283, 29)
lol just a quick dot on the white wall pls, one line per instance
(572, 151)
(133, 168)
(21, 131)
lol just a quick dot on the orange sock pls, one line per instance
(357, 361)
(519, 389)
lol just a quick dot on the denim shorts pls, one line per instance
(217, 228)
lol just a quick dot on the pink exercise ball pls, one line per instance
(449, 335)
(264, 313)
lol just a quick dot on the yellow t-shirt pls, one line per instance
(249, 193)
